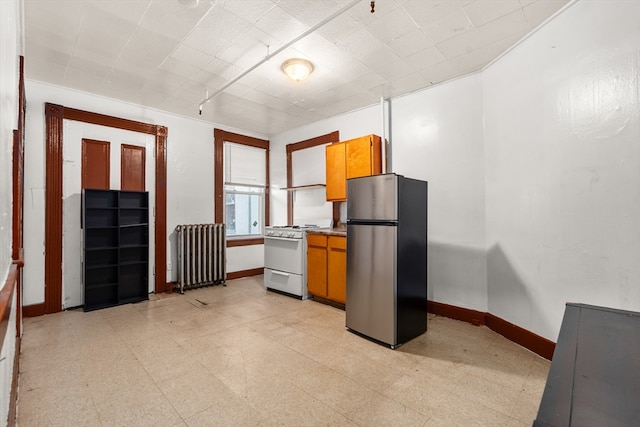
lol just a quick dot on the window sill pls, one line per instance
(245, 241)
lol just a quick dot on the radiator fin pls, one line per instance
(201, 255)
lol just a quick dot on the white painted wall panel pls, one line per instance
(7, 356)
(190, 163)
(437, 136)
(10, 45)
(351, 125)
(72, 235)
(562, 135)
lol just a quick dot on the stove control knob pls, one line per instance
(291, 234)
(281, 233)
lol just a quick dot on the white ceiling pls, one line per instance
(161, 54)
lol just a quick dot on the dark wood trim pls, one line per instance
(54, 117)
(527, 339)
(245, 242)
(336, 214)
(160, 225)
(143, 150)
(6, 298)
(86, 166)
(301, 145)
(34, 310)
(218, 175)
(219, 138)
(289, 184)
(245, 273)
(241, 139)
(459, 313)
(108, 121)
(312, 142)
(267, 191)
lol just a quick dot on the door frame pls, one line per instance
(54, 117)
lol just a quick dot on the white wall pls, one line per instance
(533, 168)
(11, 44)
(350, 125)
(190, 161)
(562, 145)
(436, 136)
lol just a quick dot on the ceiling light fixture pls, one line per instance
(297, 69)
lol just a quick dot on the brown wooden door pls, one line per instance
(132, 168)
(95, 164)
(336, 169)
(317, 265)
(337, 269)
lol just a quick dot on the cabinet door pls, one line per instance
(336, 172)
(359, 157)
(337, 269)
(317, 265)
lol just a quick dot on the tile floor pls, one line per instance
(238, 355)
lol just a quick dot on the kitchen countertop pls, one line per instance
(341, 231)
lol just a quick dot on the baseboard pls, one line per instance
(527, 339)
(33, 310)
(451, 311)
(245, 273)
(13, 397)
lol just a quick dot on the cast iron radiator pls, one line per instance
(201, 255)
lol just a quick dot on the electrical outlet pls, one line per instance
(169, 266)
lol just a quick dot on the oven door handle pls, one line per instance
(279, 273)
(282, 238)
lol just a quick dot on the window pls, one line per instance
(241, 186)
(244, 211)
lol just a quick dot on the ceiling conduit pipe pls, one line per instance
(277, 51)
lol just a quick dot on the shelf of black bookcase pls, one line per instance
(129, 199)
(95, 266)
(103, 248)
(145, 224)
(101, 285)
(134, 262)
(101, 199)
(101, 227)
(133, 246)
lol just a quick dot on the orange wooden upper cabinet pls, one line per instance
(351, 159)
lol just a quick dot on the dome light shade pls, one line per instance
(297, 69)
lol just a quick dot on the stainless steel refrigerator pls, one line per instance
(387, 258)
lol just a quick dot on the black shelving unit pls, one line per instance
(116, 247)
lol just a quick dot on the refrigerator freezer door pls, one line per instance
(371, 281)
(373, 198)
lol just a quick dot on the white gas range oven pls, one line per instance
(285, 259)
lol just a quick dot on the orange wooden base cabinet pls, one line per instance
(327, 267)
(351, 159)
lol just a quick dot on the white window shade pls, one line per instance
(244, 165)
